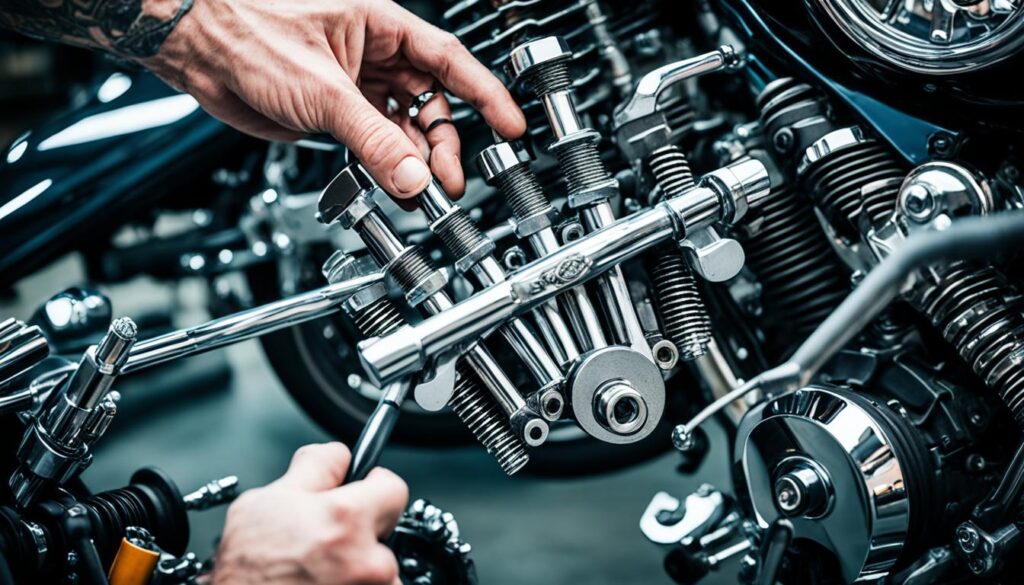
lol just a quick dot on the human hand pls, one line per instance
(304, 529)
(279, 69)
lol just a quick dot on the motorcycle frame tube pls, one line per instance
(245, 325)
(411, 348)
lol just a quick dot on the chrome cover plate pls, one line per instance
(932, 36)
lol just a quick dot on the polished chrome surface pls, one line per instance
(21, 347)
(932, 36)
(617, 395)
(246, 324)
(644, 100)
(413, 347)
(867, 529)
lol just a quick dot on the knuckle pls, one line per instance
(344, 513)
(379, 568)
(305, 452)
(450, 43)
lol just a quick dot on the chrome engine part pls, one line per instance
(697, 231)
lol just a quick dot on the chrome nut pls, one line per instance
(427, 287)
(497, 159)
(482, 250)
(529, 55)
(600, 192)
(361, 206)
(528, 226)
(366, 297)
(350, 183)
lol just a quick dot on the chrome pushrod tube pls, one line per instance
(412, 348)
(613, 288)
(579, 309)
(245, 324)
(439, 208)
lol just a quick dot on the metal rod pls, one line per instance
(967, 238)
(413, 347)
(246, 324)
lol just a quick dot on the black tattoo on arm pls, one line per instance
(128, 28)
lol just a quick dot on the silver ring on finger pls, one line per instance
(419, 102)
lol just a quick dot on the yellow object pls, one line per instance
(133, 565)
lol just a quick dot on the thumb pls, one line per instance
(383, 148)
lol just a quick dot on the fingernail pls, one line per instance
(410, 176)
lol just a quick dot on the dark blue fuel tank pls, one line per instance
(133, 143)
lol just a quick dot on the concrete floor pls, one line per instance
(523, 529)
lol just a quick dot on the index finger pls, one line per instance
(443, 55)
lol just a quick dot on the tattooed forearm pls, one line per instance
(128, 28)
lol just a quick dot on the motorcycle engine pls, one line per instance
(625, 267)
(898, 462)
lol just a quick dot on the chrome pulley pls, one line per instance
(849, 474)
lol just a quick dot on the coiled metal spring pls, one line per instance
(378, 318)
(682, 310)
(478, 411)
(683, 314)
(800, 276)
(860, 179)
(980, 313)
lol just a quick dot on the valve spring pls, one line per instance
(980, 314)
(459, 234)
(836, 183)
(672, 171)
(683, 313)
(523, 192)
(484, 418)
(378, 318)
(410, 268)
(581, 162)
(800, 275)
(548, 77)
(682, 310)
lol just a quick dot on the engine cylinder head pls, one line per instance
(979, 312)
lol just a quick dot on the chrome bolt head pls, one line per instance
(967, 538)
(918, 203)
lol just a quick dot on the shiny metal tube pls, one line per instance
(19, 401)
(21, 347)
(578, 307)
(413, 347)
(561, 113)
(488, 271)
(614, 290)
(649, 88)
(245, 324)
